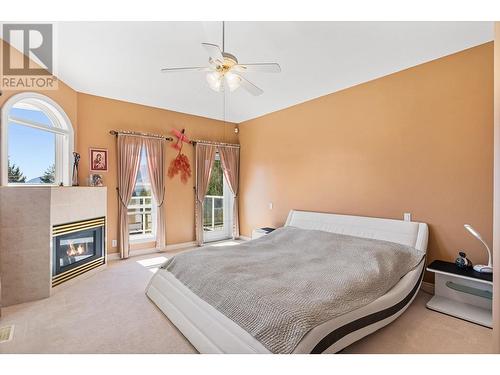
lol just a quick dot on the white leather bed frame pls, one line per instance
(209, 331)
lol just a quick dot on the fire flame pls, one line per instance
(78, 250)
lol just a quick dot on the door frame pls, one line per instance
(227, 231)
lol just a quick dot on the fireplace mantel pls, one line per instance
(27, 215)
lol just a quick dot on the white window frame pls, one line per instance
(62, 128)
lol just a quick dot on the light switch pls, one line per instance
(407, 216)
(114, 243)
(270, 205)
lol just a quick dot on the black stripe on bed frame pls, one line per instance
(340, 332)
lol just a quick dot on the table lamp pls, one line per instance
(480, 267)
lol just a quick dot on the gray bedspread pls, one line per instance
(282, 285)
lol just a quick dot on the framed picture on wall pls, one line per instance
(98, 160)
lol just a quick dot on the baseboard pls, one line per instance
(182, 245)
(427, 287)
(135, 253)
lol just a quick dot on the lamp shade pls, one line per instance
(472, 231)
(477, 235)
(233, 81)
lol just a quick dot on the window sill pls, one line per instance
(31, 185)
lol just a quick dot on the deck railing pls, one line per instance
(140, 213)
(213, 212)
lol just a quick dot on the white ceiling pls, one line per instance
(122, 60)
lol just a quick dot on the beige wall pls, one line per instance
(97, 116)
(419, 141)
(496, 208)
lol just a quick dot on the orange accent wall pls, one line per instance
(419, 141)
(97, 116)
(496, 202)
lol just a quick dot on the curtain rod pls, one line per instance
(139, 134)
(195, 141)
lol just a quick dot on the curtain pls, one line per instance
(129, 157)
(205, 155)
(155, 152)
(230, 158)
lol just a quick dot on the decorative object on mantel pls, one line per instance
(462, 261)
(480, 267)
(98, 160)
(181, 162)
(96, 180)
(74, 179)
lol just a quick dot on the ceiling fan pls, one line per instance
(224, 70)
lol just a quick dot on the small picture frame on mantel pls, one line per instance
(98, 159)
(96, 180)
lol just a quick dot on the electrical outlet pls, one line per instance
(114, 243)
(407, 216)
(270, 205)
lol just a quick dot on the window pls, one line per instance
(142, 206)
(37, 142)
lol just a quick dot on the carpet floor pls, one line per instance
(109, 313)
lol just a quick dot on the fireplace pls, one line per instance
(77, 248)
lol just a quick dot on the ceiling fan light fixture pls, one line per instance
(225, 73)
(214, 80)
(233, 81)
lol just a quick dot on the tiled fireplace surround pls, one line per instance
(27, 215)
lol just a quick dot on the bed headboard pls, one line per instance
(404, 232)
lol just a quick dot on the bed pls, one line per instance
(211, 331)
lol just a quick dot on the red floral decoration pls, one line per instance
(181, 163)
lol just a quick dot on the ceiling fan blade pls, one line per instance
(214, 52)
(187, 69)
(250, 87)
(258, 67)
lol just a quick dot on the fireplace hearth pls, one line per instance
(77, 248)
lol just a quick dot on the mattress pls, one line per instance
(212, 332)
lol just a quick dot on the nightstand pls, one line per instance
(261, 232)
(465, 294)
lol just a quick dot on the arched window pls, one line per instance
(36, 142)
